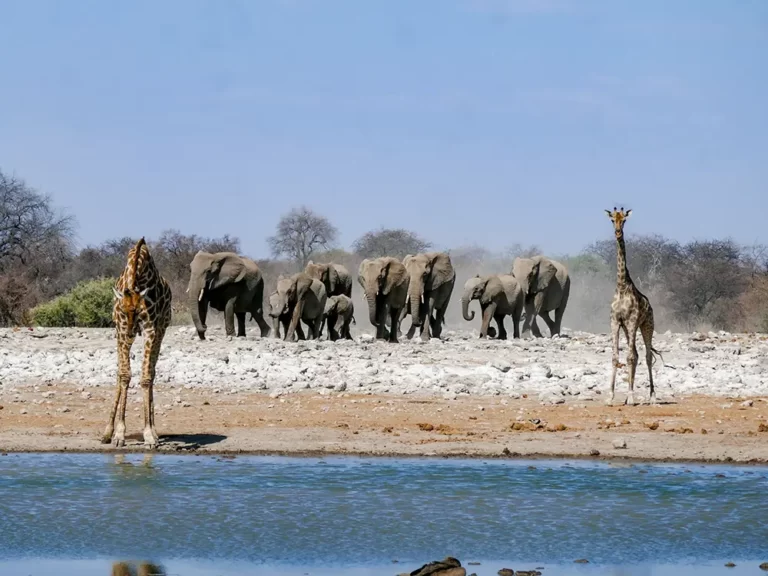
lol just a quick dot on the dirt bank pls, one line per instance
(63, 417)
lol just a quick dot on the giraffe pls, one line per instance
(630, 310)
(142, 305)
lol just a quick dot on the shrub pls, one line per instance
(87, 305)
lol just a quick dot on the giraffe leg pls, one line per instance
(646, 330)
(632, 362)
(152, 343)
(615, 327)
(115, 433)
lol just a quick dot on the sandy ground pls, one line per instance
(197, 421)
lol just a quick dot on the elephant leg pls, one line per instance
(263, 326)
(285, 321)
(300, 333)
(298, 309)
(276, 326)
(500, 323)
(437, 326)
(426, 323)
(229, 317)
(394, 314)
(516, 324)
(548, 321)
(383, 314)
(333, 331)
(488, 312)
(558, 323)
(240, 324)
(533, 309)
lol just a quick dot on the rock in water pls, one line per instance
(448, 567)
(506, 572)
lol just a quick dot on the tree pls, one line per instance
(395, 242)
(300, 233)
(174, 251)
(35, 248)
(28, 222)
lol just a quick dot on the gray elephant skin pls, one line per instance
(499, 295)
(335, 277)
(298, 297)
(547, 286)
(385, 284)
(431, 280)
(339, 313)
(230, 283)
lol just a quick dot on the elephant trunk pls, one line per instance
(415, 294)
(465, 310)
(198, 306)
(371, 298)
(465, 300)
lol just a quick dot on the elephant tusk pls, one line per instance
(200, 296)
(422, 298)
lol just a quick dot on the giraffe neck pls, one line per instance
(622, 274)
(140, 271)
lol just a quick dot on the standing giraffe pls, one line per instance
(142, 305)
(630, 310)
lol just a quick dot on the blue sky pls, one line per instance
(470, 121)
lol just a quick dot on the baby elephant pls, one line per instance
(339, 313)
(297, 297)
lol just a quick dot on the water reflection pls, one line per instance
(137, 569)
(342, 511)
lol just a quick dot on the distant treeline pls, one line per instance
(709, 284)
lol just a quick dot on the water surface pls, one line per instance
(259, 515)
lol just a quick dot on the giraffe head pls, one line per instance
(131, 303)
(618, 217)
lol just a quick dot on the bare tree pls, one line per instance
(28, 222)
(395, 242)
(174, 251)
(300, 233)
(35, 248)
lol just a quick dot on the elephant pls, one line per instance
(276, 307)
(547, 286)
(431, 283)
(335, 277)
(229, 283)
(339, 313)
(385, 283)
(499, 295)
(298, 297)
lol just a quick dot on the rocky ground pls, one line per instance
(461, 395)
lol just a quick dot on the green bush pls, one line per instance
(87, 305)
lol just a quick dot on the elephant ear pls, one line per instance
(546, 274)
(393, 273)
(441, 269)
(227, 270)
(491, 290)
(301, 286)
(333, 277)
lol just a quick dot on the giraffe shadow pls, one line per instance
(187, 441)
(182, 441)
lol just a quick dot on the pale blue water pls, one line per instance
(269, 515)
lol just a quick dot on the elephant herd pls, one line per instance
(420, 285)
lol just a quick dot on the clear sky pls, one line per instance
(470, 121)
